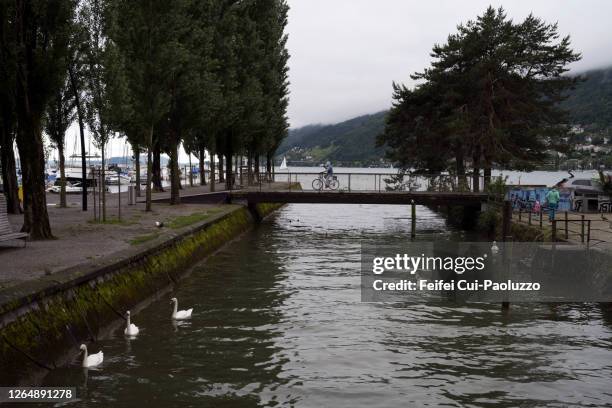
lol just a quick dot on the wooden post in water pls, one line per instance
(349, 182)
(413, 221)
(506, 220)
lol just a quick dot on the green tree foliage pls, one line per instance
(142, 31)
(491, 97)
(209, 74)
(8, 125)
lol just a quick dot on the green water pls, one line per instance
(278, 321)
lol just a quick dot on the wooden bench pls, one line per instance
(6, 233)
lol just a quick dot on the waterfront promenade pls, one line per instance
(81, 240)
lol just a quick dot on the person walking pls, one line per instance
(552, 198)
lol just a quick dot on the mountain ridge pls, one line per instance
(353, 141)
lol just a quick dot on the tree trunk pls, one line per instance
(488, 164)
(157, 180)
(202, 155)
(212, 171)
(31, 153)
(136, 149)
(487, 176)
(256, 168)
(221, 173)
(103, 186)
(229, 182)
(9, 172)
(269, 166)
(149, 170)
(81, 120)
(460, 168)
(62, 166)
(175, 177)
(249, 169)
(476, 171)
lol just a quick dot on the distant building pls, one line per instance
(576, 129)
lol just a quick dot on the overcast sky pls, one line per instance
(346, 53)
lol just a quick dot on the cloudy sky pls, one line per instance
(346, 53)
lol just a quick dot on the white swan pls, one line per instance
(92, 360)
(180, 314)
(130, 328)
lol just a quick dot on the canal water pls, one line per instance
(278, 321)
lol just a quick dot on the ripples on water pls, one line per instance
(278, 322)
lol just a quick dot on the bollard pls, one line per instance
(413, 221)
(132, 195)
(554, 231)
(566, 227)
(582, 228)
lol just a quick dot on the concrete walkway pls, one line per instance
(81, 239)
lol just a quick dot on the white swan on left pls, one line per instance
(130, 328)
(180, 314)
(92, 360)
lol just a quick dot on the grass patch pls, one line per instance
(185, 220)
(144, 238)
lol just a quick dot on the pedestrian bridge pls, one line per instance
(359, 197)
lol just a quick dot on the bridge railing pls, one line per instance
(376, 181)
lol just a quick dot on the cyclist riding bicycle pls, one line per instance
(330, 173)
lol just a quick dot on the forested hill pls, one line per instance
(591, 101)
(352, 142)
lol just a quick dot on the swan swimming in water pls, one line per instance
(92, 360)
(180, 314)
(130, 328)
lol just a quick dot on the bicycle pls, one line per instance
(322, 182)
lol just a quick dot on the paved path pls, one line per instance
(81, 240)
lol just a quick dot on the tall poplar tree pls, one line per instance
(42, 30)
(141, 33)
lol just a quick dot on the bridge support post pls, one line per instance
(506, 219)
(413, 220)
(254, 212)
